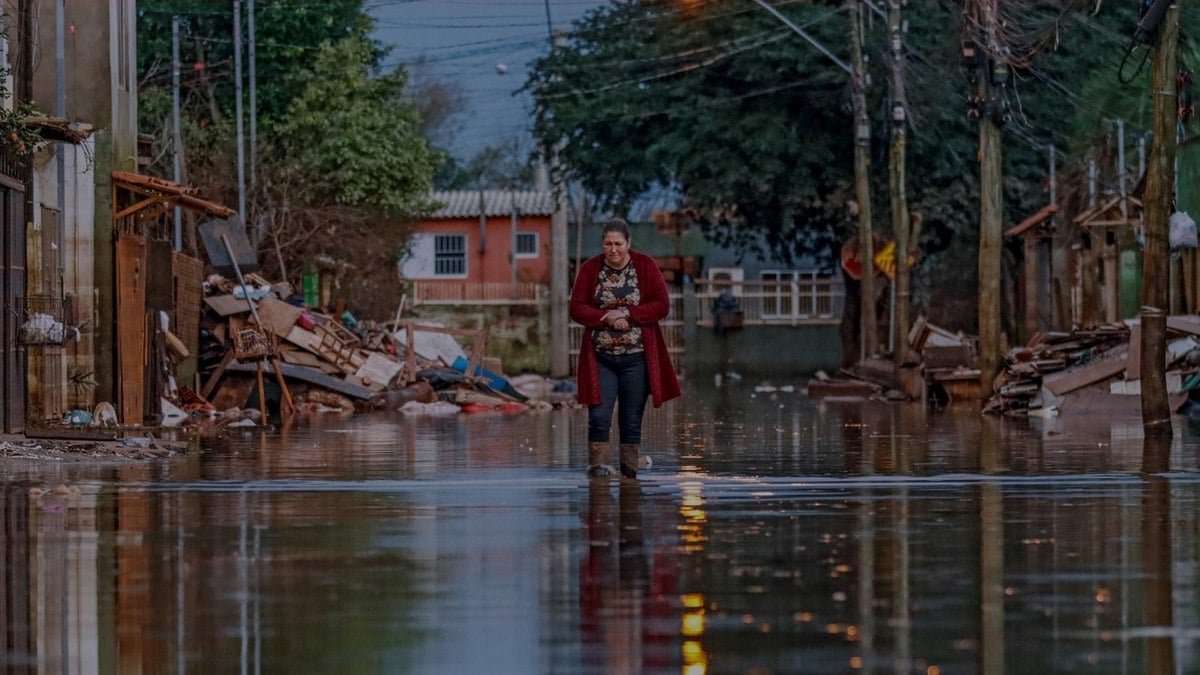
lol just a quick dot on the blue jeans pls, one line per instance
(624, 383)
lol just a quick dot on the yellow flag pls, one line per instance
(885, 260)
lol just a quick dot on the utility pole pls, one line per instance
(253, 178)
(241, 141)
(1160, 188)
(1057, 315)
(560, 363)
(991, 207)
(869, 341)
(54, 282)
(176, 136)
(1124, 236)
(898, 184)
(1087, 267)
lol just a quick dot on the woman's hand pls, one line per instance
(614, 315)
(617, 319)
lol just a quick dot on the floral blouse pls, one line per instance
(616, 289)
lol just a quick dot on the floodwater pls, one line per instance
(774, 534)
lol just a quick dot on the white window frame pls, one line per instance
(537, 244)
(460, 255)
(773, 305)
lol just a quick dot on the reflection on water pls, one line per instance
(773, 535)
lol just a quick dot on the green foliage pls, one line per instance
(342, 158)
(718, 99)
(17, 138)
(503, 165)
(288, 36)
(357, 136)
(753, 124)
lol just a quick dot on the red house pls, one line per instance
(481, 244)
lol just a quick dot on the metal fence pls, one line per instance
(807, 300)
(475, 293)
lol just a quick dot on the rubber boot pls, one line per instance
(629, 459)
(597, 453)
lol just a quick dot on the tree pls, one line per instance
(288, 37)
(750, 123)
(718, 101)
(356, 137)
(343, 161)
(506, 164)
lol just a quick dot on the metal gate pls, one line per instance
(12, 286)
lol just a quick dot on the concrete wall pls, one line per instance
(100, 86)
(767, 352)
(100, 50)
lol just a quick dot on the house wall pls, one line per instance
(492, 264)
(61, 249)
(100, 88)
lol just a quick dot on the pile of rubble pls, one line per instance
(1093, 371)
(262, 348)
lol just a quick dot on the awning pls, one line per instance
(164, 194)
(59, 129)
(1032, 221)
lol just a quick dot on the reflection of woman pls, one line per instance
(614, 582)
(619, 297)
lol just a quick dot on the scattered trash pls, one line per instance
(1094, 371)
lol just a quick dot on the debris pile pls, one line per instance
(264, 349)
(1095, 371)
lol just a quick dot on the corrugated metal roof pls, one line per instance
(465, 203)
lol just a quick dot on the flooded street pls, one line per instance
(773, 534)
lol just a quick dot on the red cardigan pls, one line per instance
(654, 306)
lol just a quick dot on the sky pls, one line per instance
(484, 47)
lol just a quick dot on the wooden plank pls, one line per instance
(304, 338)
(216, 376)
(1133, 366)
(189, 296)
(234, 392)
(277, 316)
(1070, 380)
(70, 433)
(131, 326)
(310, 375)
(377, 371)
(160, 282)
(818, 389)
(1184, 324)
(299, 357)
(947, 357)
(227, 305)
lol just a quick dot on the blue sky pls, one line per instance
(464, 41)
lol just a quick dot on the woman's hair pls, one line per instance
(617, 225)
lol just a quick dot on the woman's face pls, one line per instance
(616, 249)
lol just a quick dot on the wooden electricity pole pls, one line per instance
(869, 344)
(1160, 187)
(991, 213)
(898, 184)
